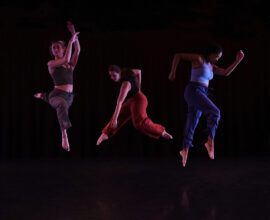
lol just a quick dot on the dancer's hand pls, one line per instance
(239, 56)
(171, 76)
(74, 37)
(71, 27)
(114, 124)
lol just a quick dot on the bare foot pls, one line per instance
(166, 135)
(38, 95)
(65, 143)
(184, 153)
(210, 147)
(103, 137)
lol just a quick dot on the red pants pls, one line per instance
(135, 108)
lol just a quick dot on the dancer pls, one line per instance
(134, 108)
(61, 70)
(203, 68)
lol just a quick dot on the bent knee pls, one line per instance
(61, 104)
(216, 114)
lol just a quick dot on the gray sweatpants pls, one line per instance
(60, 101)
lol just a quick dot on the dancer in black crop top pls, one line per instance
(61, 70)
(62, 76)
(134, 88)
(133, 108)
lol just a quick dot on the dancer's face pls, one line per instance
(57, 50)
(214, 57)
(115, 76)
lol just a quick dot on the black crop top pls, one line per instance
(134, 88)
(62, 76)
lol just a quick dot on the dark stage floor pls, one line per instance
(135, 188)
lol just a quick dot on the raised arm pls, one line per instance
(195, 59)
(121, 98)
(226, 72)
(66, 58)
(138, 76)
(77, 47)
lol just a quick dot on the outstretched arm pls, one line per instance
(121, 98)
(77, 47)
(66, 58)
(138, 76)
(195, 59)
(226, 72)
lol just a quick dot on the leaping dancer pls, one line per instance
(134, 108)
(61, 70)
(196, 94)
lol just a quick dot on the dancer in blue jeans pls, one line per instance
(196, 94)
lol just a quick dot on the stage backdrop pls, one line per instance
(29, 127)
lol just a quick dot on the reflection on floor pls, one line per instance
(135, 188)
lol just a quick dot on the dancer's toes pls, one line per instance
(210, 150)
(183, 153)
(65, 144)
(102, 138)
(66, 147)
(42, 95)
(38, 95)
(166, 135)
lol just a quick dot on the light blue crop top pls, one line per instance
(202, 74)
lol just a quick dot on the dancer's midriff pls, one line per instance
(66, 88)
(204, 84)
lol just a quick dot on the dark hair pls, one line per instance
(114, 68)
(124, 72)
(59, 42)
(212, 48)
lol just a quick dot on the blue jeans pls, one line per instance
(196, 96)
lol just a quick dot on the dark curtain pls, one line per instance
(29, 127)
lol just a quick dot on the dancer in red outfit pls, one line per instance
(134, 108)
